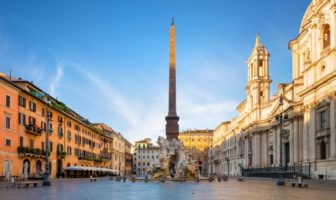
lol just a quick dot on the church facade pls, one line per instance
(295, 128)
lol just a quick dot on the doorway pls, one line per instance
(287, 154)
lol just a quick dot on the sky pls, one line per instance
(108, 59)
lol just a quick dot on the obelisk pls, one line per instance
(172, 127)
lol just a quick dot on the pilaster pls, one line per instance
(305, 135)
(332, 130)
(296, 140)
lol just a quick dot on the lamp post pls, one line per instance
(211, 152)
(228, 165)
(119, 166)
(280, 118)
(46, 181)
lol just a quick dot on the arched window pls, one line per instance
(326, 36)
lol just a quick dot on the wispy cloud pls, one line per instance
(56, 81)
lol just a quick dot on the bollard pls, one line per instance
(219, 178)
(197, 179)
(133, 179)
(124, 179)
(210, 179)
(146, 179)
(225, 178)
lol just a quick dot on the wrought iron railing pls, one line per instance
(273, 172)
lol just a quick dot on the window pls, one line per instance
(43, 125)
(8, 142)
(31, 143)
(50, 127)
(22, 101)
(60, 131)
(69, 124)
(21, 141)
(69, 136)
(50, 146)
(32, 121)
(8, 101)
(42, 146)
(32, 106)
(326, 36)
(323, 68)
(8, 122)
(22, 119)
(261, 93)
(323, 116)
(323, 150)
(49, 114)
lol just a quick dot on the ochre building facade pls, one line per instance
(73, 140)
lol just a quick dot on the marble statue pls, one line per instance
(173, 162)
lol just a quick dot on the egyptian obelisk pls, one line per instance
(172, 127)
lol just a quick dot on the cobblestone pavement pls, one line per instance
(107, 189)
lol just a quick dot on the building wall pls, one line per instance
(145, 153)
(74, 141)
(197, 142)
(252, 139)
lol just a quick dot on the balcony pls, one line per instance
(322, 133)
(61, 154)
(97, 160)
(34, 130)
(33, 152)
(105, 155)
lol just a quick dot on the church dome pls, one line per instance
(313, 9)
(307, 16)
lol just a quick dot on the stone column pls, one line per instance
(254, 151)
(291, 142)
(305, 135)
(246, 152)
(332, 130)
(266, 149)
(301, 139)
(296, 140)
(312, 153)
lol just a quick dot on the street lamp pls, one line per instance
(211, 155)
(228, 165)
(46, 181)
(119, 166)
(280, 118)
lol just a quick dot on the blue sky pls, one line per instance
(108, 60)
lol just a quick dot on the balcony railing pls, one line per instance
(61, 154)
(27, 151)
(34, 130)
(105, 155)
(98, 160)
(273, 172)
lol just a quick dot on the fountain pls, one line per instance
(173, 163)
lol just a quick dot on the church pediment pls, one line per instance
(277, 108)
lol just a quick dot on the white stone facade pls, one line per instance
(145, 153)
(252, 139)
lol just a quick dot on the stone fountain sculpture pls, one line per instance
(173, 162)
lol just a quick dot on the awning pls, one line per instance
(96, 169)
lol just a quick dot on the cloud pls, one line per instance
(144, 116)
(113, 98)
(56, 81)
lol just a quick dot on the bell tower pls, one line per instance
(258, 81)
